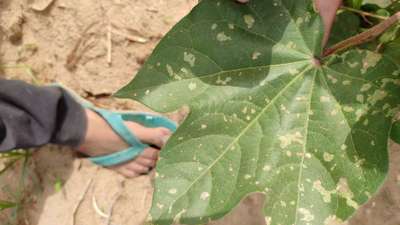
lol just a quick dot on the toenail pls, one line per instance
(165, 132)
(165, 138)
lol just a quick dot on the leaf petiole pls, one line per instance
(364, 37)
(363, 13)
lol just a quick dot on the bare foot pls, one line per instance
(102, 140)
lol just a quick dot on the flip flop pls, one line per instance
(116, 121)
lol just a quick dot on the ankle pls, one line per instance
(99, 139)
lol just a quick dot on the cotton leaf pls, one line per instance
(265, 116)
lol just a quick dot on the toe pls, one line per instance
(151, 153)
(123, 170)
(150, 163)
(138, 168)
(129, 173)
(153, 136)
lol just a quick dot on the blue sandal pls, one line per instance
(116, 121)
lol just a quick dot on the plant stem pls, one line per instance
(364, 37)
(363, 13)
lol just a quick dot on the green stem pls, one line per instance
(363, 13)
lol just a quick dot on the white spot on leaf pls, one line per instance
(307, 216)
(222, 37)
(255, 55)
(324, 99)
(189, 58)
(267, 168)
(348, 109)
(377, 96)
(288, 139)
(291, 45)
(204, 196)
(249, 20)
(328, 157)
(360, 98)
(268, 220)
(332, 79)
(170, 70)
(293, 71)
(192, 86)
(346, 82)
(365, 87)
(326, 195)
(345, 192)
(370, 60)
(160, 206)
(333, 220)
(172, 191)
(223, 82)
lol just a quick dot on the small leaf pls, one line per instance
(381, 3)
(356, 4)
(58, 185)
(6, 205)
(383, 12)
(395, 133)
(390, 35)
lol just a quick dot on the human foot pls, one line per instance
(101, 140)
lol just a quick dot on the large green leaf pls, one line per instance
(265, 117)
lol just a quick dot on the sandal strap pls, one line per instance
(150, 120)
(117, 123)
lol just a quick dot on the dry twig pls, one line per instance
(109, 44)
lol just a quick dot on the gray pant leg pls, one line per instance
(32, 116)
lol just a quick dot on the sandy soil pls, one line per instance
(67, 41)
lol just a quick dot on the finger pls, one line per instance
(153, 136)
(150, 153)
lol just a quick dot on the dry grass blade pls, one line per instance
(97, 209)
(82, 45)
(81, 198)
(130, 37)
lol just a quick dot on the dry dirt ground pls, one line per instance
(68, 41)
